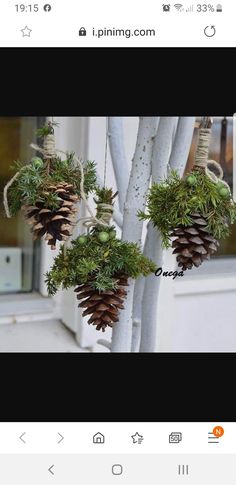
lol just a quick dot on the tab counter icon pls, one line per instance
(175, 437)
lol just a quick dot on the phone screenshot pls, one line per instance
(118, 232)
(117, 242)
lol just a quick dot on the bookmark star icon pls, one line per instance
(26, 31)
(137, 438)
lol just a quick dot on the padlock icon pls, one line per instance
(82, 32)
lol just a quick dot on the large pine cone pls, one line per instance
(56, 224)
(103, 306)
(193, 244)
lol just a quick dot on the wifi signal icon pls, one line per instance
(179, 7)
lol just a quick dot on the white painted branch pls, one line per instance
(118, 218)
(162, 148)
(137, 304)
(132, 226)
(150, 295)
(136, 331)
(118, 156)
(139, 180)
(160, 159)
(138, 297)
(182, 143)
(105, 343)
(174, 129)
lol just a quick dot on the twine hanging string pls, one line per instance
(5, 190)
(49, 151)
(106, 148)
(201, 157)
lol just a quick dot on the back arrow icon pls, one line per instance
(61, 437)
(50, 469)
(21, 437)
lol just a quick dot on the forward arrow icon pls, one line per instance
(61, 437)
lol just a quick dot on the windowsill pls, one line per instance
(217, 275)
(24, 303)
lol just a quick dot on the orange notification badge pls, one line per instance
(218, 431)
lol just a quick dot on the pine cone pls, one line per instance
(102, 306)
(55, 224)
(194, 244)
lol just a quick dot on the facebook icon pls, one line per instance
(47, 7)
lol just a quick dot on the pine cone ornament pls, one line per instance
(102, 306)
(193, 244)
(55, 224)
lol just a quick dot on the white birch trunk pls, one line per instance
(160, 159)
(132, 226)
(138, 300)
(182, 143)
(137, 304)
(118, 155)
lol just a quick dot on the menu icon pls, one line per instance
(215, 435)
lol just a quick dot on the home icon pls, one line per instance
(99, 438)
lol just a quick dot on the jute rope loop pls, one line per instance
(211, 174)
(201, 157)
(49, 151)
(105, 211)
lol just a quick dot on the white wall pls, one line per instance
(197, 311)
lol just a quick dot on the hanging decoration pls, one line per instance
(47, 189)
(99, 266)
(195, 212)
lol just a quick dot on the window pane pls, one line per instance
(17, 250)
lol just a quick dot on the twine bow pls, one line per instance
(49, 151)
(201, 157)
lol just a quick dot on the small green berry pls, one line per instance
(37, 162)
(223, 189)
(103, 236)
(112, 234)
(224, 192)
(82, 240)
(191, 180)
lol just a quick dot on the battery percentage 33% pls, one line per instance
(205, 7)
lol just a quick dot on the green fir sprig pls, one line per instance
(34, 178)
(170, 204)
(46, 129)
(97, 259)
